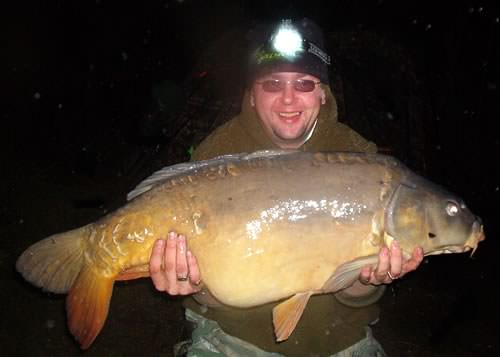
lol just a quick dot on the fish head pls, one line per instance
(422, 214)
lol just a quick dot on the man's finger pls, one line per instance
(155, 265)
(170, 262)
(194, 271)
(414, 261)
(383, 265)
(365, 275)
(181, 259)
(396, 261)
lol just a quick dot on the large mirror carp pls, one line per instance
(245, 216)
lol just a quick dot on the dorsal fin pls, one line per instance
(170, 172)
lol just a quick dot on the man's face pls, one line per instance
(288, 115)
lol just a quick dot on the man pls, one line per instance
(288, 105)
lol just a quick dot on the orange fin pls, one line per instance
(140, 271)
(87, 306)
(287, 314)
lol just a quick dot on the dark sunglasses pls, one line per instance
(277, 85)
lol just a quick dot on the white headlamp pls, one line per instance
(287, 40)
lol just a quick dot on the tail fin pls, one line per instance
(87, 305)
(54, 262)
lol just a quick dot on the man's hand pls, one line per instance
(391, 265)
(173, 268)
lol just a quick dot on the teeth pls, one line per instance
(289, 115)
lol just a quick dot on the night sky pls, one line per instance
(99, 94)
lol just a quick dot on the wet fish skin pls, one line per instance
(245, 216)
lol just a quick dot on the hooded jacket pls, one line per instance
(244, 133)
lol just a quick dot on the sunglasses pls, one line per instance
(277, 85)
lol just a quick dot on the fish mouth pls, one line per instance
(476, 236)
(451, 249)
(471, 244)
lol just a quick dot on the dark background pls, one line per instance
(98, 95)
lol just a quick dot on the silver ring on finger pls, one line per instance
(182, 277)
(392, 277)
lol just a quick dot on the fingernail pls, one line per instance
(384, 252)
(159, 243)
(395, 244)
(171, 235)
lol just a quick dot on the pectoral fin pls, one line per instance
(347, 273)
(287, 314)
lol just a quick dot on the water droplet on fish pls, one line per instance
(36, 95)
(390, 116)
(428, 27)
(480, 9)
(59, 106)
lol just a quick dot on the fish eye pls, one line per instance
(452, 208)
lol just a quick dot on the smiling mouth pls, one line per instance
(288, 114)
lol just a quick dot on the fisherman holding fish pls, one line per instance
(288, 105)
(283, 252)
